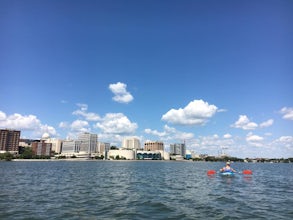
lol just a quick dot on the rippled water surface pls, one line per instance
(143, 190)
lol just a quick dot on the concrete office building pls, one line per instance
(131, 143)
(153, 146)
(87, 143)
(178, 149)
(69, 148)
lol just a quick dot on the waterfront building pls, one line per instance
(56, 143)
(131, 143)
(125, 154)
(148, 155)
(102, 147)
(41, 148)
(178, 149)
(87, 143)
(69, 148)
(153, 146)
(9, 140)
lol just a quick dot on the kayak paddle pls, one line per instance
(245, 172)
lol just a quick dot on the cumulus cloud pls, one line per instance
(121, 95)
(287, 113)
(267, 123)
(75, 128)
(244, 123)
(170, 133)
(79, 126)
(254, 140)
(286, 141)
(25, 123)
(89, 116)
(196, 112)
(116, 123)
(155, 132)
(227, 136)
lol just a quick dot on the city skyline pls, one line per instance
(215, 75)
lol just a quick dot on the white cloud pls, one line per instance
(170, 133)
(63, 124)
(254, 140)
(227, 136)
(82, 106)
(155, 132)
(196, 112)
(121, 95)
(267, 123)
(89, 116)
(2, 116)
(244, 123)
(79, 126)
(213, 145)
(287, 113)
(116, 123)
(25, 123)
(284, 141)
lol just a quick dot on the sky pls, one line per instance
(216, 75)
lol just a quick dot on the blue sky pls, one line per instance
(215, 74)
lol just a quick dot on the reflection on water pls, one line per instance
(142, 190)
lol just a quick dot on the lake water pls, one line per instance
(143, 190)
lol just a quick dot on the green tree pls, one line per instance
(6, 156)
(28, 153)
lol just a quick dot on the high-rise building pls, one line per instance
(153, 146)
(103, 147)
(41, 148)
(178, 149)
(87, 142)
(9, 140)
(131, 143)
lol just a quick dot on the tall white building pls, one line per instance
(178, 149)
(87, 143)
(131, 143)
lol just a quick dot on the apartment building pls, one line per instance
(9, 140)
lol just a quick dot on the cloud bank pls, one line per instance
(25, 123)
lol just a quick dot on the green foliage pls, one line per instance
(27, 154)
(6, 156)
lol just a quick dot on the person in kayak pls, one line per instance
(227, 168)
